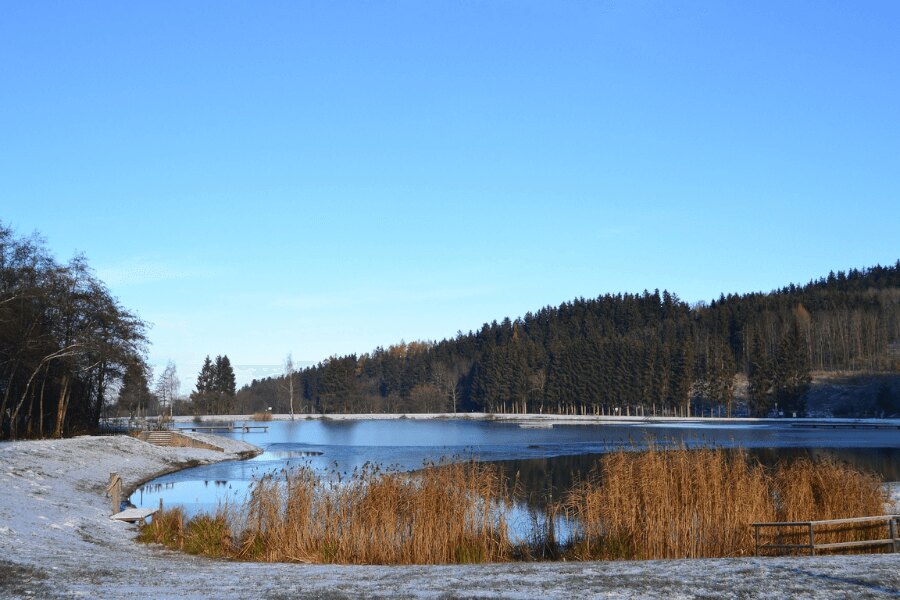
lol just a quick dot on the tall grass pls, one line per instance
(209, 535)
(678, 503)
(635, 505)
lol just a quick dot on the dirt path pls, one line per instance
(56, 541)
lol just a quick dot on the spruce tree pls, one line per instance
(224, 376)
(791, 373)
(204, 379)
(134, 395)
(223, 384)
(760, 376)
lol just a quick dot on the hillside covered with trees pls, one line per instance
(68, 350)
(647, 353)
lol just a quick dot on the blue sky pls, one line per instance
(324, 177)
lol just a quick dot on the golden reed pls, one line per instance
(679, 503)
(654, 504)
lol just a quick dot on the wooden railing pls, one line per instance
(825, 527)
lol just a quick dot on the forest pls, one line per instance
(646, 353)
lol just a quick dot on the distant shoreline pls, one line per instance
(548, 419)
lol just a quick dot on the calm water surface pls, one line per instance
(546, 459)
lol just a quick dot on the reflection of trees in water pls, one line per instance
(155, 488)
(884, 462)
(543, 480)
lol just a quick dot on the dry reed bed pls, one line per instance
(444, 514)
(659, 503)
(678, 503)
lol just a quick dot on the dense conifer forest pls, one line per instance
(647, 353)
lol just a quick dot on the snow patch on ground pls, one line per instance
(56, 540)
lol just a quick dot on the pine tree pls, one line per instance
(682, 376)
(223, 385)
(204, 379)
(760, 376)
(134, 396)
(203, 396)
(791, 373)
(224, 376)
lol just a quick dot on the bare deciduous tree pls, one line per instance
(289, 372)
(167, 388)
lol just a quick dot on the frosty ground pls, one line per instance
(57, 541)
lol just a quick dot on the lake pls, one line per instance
(547, 459)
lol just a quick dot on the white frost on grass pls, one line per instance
(227, 445)
(76, 550)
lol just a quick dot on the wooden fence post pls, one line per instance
(893, 528)
(114, 490)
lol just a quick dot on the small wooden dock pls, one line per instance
(133, 515)
(228, 428)
(129, 515)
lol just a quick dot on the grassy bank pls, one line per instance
(635, 505)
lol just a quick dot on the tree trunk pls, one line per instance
(13, 427)
(9, 386)
(98, 404)
(41, 409)
(62, 407)
(291, 393)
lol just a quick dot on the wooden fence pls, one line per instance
(808, 531)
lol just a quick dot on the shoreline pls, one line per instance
(548, 419)
(56, 540)
(231, 451)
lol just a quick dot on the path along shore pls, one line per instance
(57, 541)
